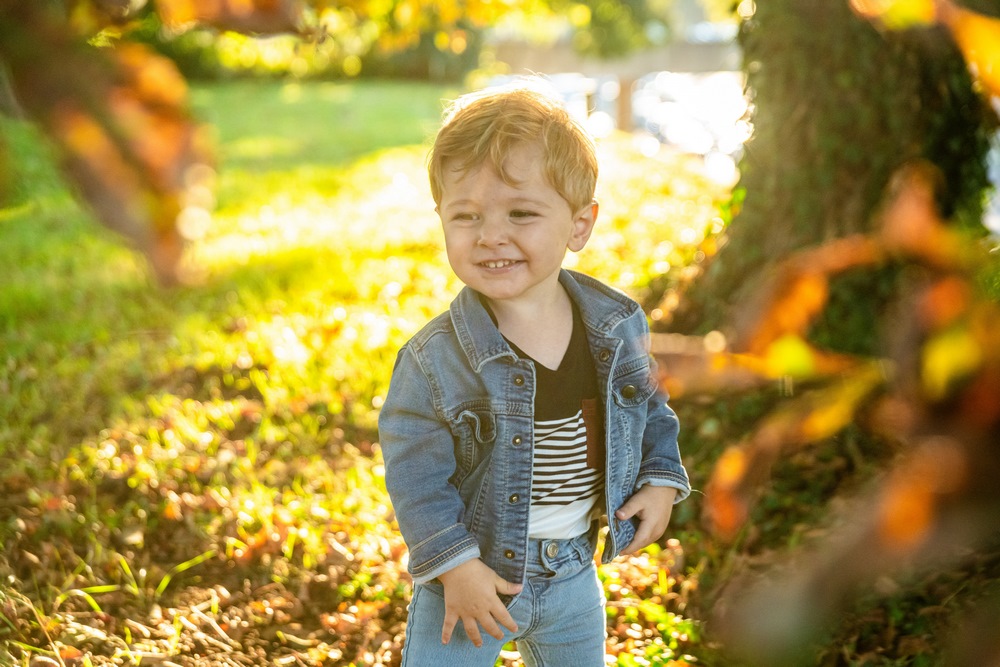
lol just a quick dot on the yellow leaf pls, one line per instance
(840, 404)
(946, 358)
(731, 467)
(978, 37)
(897, 14)
(790, 355)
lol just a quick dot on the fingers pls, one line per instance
(492, 629)
(642, 538)
(506, 587)
(490, 622)
(450, 620)
(507, 621)
(652, 506)
(628, 510)
(471, 626)
(472, 631)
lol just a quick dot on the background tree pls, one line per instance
(838, 107)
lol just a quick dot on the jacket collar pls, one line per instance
(601, 307)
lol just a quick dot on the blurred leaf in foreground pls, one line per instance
(977, 35)
(935, 396)
(120, 122)
(246, 16)
(897, 14)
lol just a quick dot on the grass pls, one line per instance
(163, 444)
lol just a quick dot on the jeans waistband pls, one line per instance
(549, 555)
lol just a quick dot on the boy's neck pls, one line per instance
(541, 329)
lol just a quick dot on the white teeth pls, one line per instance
(498, 265)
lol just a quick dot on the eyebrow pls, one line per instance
(513, 201)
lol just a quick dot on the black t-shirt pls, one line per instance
(568, 459)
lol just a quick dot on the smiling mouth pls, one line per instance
(499, 263)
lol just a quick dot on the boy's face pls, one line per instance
(508, 241)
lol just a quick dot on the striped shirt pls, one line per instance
(567, 477)
(560, 473)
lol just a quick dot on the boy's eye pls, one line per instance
(465, 217)
(520, 215)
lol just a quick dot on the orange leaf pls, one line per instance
(727, 497)
(795, 299)
(911, 224)
(908, 507)
(944, 302)
(798, 291)
(70, 653)
(246, 16)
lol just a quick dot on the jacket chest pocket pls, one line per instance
(474, 431)
(635, 385)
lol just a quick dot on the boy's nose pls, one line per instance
(492, 232)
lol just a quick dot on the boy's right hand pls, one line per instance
(471, 593)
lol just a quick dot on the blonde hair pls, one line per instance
(484, 127)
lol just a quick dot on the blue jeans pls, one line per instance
(559, 615)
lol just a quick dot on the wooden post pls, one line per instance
(625, 84)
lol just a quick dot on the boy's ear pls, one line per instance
(583, 225)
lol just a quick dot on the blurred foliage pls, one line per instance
(609, 28)
(857, 283)
(921, 422)
(338, 42)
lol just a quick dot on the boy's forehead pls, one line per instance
(523, 158)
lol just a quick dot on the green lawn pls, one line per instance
(214, 444)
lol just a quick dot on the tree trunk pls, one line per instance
(838, 106)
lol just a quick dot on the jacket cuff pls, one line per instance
(443, 557)
(677, 479)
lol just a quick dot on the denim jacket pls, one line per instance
(456, 431)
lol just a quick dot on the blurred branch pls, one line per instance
(266, 17)
(9, 105)
(120, 122)
(119, 117)
(936, 394)
(977, 35)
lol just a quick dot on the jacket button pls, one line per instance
(514, 498)
(509, 554)
(516, 440)
(518, 380)
(629, 391)
(604, 355)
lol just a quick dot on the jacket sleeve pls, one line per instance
(661, 459)
(419, 453)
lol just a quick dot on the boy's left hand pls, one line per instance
(652, 505)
